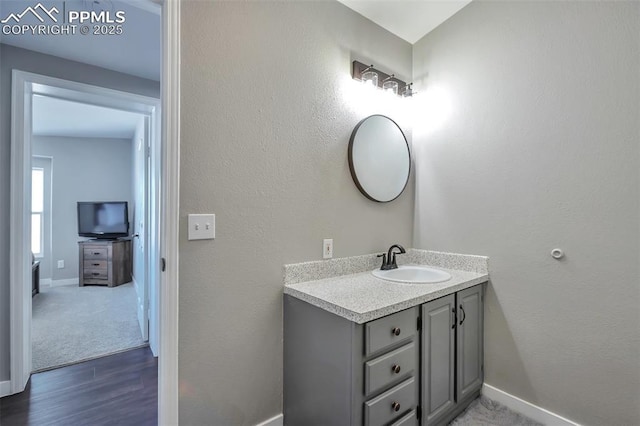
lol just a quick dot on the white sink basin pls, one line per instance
(410, 274)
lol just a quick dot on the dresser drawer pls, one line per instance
(410, 419)
(95, 264)
(385, 369)
(96, 274)
(95, 253)
(391, 404)
(389, 330)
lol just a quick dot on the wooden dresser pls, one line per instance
(105, 262)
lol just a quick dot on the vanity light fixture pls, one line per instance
(388, 82)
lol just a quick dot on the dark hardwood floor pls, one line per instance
(120, 389)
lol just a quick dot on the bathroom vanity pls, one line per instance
(359, 350)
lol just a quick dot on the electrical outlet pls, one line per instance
(327, 248)
(60, 264)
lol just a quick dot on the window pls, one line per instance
(37, 210)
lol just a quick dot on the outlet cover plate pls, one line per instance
(327, 248)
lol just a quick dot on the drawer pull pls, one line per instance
(395, 368)
(395, 331)
(395, 406)
(95, 264)
(96, 253)
(95, 273)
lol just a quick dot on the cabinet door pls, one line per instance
(469, 341)
(438, 358)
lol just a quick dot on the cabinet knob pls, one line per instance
(395, 331)
(395, 368)
(395, 406)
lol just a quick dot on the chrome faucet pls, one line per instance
(389, 258)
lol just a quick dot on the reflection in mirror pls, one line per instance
(379, 158)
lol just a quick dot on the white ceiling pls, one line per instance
(408, 19)
(58, 117)
(136, 51)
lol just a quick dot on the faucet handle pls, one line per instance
(384, 259)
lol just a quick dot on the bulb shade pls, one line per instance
(370, 77)
(390, 86)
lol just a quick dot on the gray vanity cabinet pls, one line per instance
(452, 354)
(340, 373)
(420, 366)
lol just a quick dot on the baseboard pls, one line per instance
(273, 421)
(525, 408)
(5, 388)
(68, 281)
(45, 282)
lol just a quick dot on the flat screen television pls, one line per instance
(104, 219)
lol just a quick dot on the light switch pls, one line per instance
(202, 227)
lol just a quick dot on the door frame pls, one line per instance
(169, 217)
(23, 85)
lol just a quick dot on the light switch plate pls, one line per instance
(202, 227)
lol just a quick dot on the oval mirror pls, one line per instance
(379, 158)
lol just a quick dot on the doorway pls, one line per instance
(168, 238)
(26, 88)
(88, 308)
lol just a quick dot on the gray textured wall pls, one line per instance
(541, 150)
(268, 106)
(84, 169)
(25, 60)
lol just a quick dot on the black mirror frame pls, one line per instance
(352, 168)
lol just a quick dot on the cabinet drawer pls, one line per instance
(389, 330)
(410, 419)
(96, 274)
(95, 264)
(387, 368)
(390, 405)
(95, 253)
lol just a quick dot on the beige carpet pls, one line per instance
(73, 323)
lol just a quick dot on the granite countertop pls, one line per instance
(347, 288)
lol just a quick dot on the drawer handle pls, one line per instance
(395, 368)
(395, 331)
(96, 253)
(395, 406)
(95, 264)
(95, 273)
